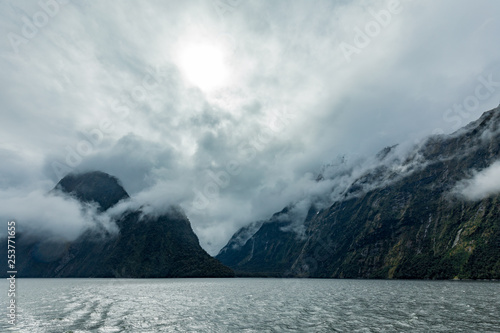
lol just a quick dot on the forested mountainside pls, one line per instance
(406, 219)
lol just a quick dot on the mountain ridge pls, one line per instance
(409, 225)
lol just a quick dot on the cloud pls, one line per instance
(51, 217)
(100, 86)
(483, 184)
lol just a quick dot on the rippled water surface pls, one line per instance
(253, 305)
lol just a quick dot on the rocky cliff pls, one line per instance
(402, 218)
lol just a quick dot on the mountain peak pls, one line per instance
(94, 186)
(146, 246)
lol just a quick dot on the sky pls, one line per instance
(227, 108)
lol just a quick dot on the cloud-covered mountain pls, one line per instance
(427, 211)
(122, 243)
(122, 88)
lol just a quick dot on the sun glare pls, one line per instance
(203, 65)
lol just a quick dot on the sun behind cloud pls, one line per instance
(204, 65)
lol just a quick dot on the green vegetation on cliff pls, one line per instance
(394, 224)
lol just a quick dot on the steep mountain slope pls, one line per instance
(399, 219)
(144, 245)
(268, 252)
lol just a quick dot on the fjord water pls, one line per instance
(253, 305)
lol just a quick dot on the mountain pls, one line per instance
(144, 246)
(402, 217)
(96, 186)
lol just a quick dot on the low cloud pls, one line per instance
(51, 216)
(154, 201)
(482, 185)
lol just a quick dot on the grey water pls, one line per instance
(252, 305)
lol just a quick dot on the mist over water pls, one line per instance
(253, 305)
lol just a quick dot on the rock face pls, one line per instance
(94, 186)
(395, 221)
(145, 246)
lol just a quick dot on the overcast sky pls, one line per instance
(228, 108)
